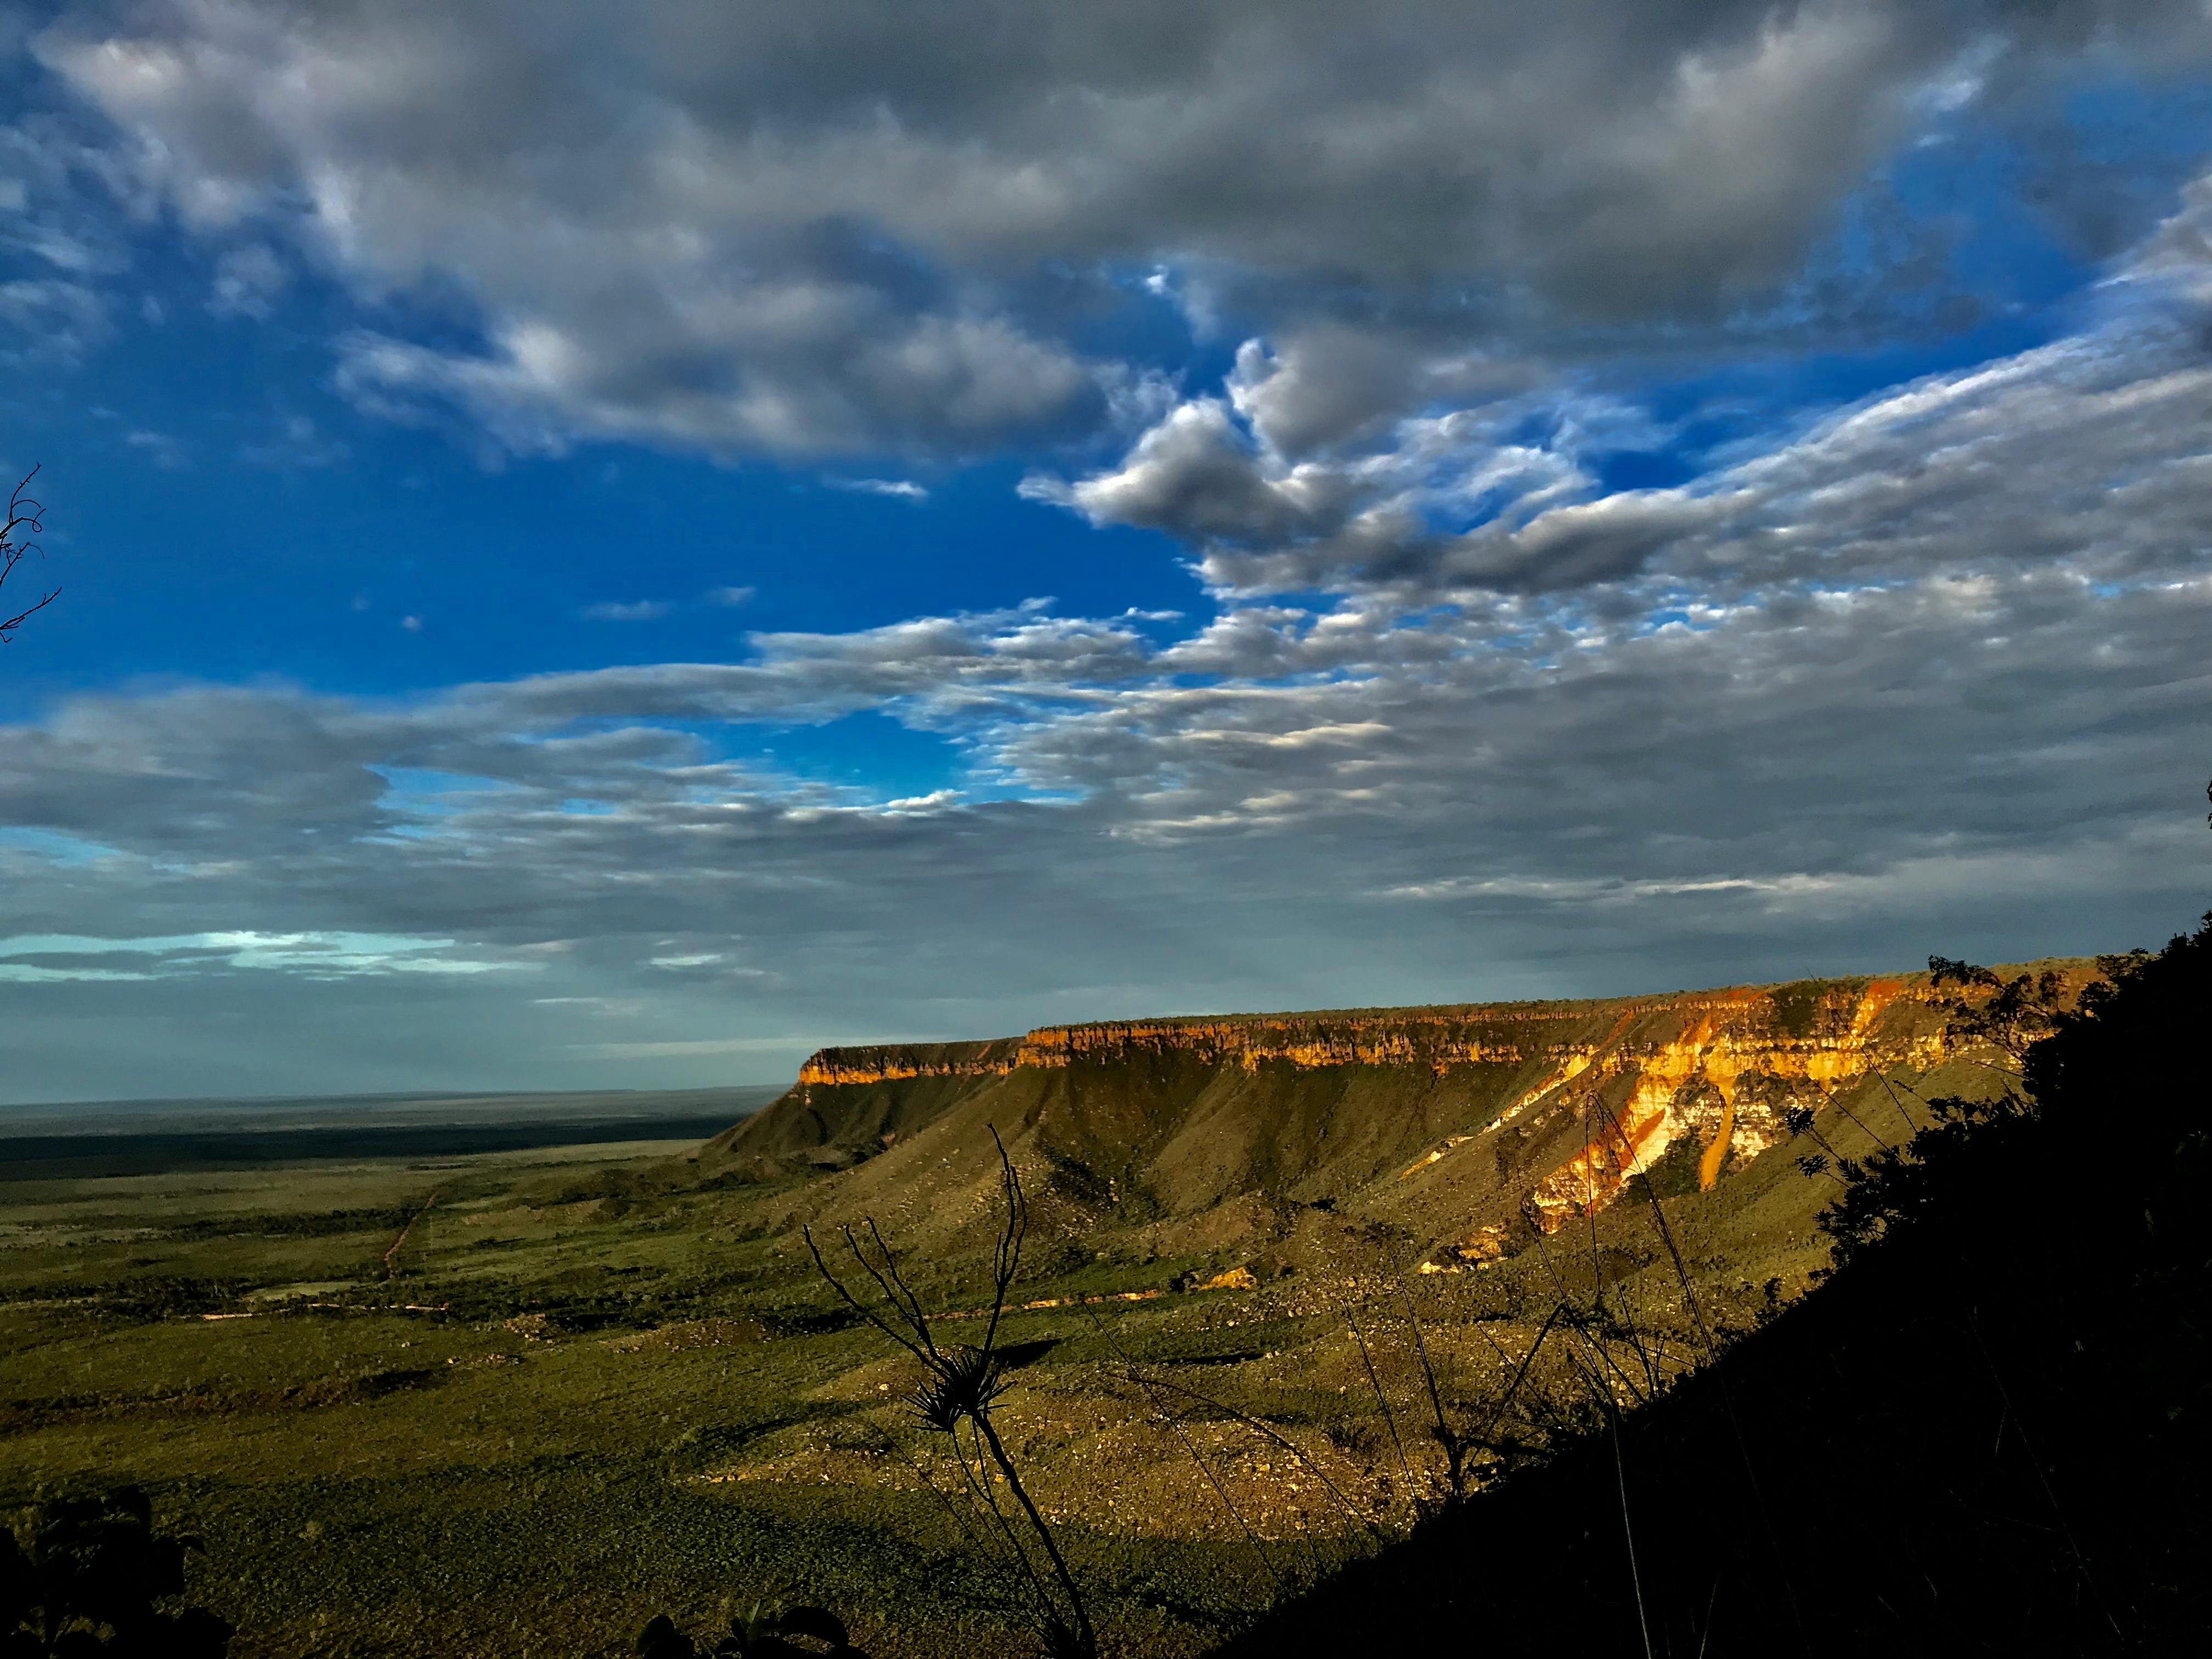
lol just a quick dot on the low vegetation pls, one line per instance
(539, 1400)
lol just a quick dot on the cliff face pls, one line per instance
(1728, 1076)
(1459, 1125)
(896, 1062)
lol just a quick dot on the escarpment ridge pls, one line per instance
(1459, 1124)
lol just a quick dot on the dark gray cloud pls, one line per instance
(803, 228)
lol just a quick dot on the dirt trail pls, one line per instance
(392, 1255)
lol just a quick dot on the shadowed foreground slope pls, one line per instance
(1987, 1434)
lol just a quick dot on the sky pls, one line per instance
(612, 546)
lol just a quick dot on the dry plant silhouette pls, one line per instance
(26, 518)
(963, 1382)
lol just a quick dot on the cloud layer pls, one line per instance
(858, 226)
(1929, 676)
(1925, 672)
(2105, 423)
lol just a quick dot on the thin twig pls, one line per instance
(1728, 1405)
(1190, 1446)
(964, 1381)
(852, 1301)
(1088, 1640)
(1635, 1578)
(1454, 1454)
(1259, 1427)
(1527, 1360)
(1705, 1635)
(1897, 1100)
(24, 513)
(979, 1481)
(1382, 1400)
(2020, 1424)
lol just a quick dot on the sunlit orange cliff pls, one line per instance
(1456, 1123)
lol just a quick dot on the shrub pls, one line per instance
(82, 1577)
(763, 1633)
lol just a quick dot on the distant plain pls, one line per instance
(527, 1395)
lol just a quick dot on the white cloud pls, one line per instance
(24, 973)
(28, 958)
(1465, 723)
(1358, 805)
(46, 319)
(1446, 504)
(247, 280)
(1934, 656)
(166, 453)
(636, 610)
(898, 488)
(295, 441)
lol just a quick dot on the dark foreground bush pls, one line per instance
(82, 1577)
(1991, 1433)
(773, 1633)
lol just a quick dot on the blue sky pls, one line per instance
(610, 549)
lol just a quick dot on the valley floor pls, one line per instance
(527, 1399)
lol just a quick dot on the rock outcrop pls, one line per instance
(1456, 1125)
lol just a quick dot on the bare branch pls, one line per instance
(1174, 1426)
(25, 513)
(1490, 1429)
(1390, 1420)
(1006, 1257)
(894, 1285)
(852, 1301)
(1260, 1426)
